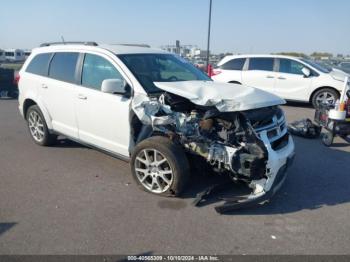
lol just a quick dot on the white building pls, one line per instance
(14, 55)
(27, 53)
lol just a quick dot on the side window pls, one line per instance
(290, 67)
(39, 64)
(63, 65)
(261, 63)
(345, 65)
(234, 64)
(95, 70)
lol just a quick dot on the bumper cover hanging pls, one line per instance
(245, 201)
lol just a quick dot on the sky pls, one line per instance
(238, 26)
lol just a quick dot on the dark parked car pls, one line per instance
(8, 85)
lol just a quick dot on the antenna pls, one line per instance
(63, 40)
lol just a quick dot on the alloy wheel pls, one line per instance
(325, 98)
(36, 126)
(153, 170)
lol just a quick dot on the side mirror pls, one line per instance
(348, 93)
(306, 71)
(114, 86)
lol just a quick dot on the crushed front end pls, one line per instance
(252, 146)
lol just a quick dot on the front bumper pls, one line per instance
(264, 189)
(252, 200)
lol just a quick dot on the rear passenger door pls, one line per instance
(58, 92)
(103, 118)
(260, 73)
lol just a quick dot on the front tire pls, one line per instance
(324, 96)
(38, 128)
(327, 138)
(159, 166)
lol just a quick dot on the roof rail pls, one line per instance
(69, 43)
(136, 45)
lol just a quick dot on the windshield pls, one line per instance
(150, 68)
(316, 65)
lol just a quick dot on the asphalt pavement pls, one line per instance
(69, 199)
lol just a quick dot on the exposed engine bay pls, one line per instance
(227, 141)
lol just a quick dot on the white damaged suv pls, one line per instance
(158, 111)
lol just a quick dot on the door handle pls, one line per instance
(44, 86)
(269, 77)
(81, 96)
(282, 78)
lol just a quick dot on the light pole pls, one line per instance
(208, 43)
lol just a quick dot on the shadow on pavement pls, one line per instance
(299, 104)
(5, 227)
(66, 143)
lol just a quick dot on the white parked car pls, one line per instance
(156, 110)
(295, 79)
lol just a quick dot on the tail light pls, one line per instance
(16, 79)
(216, 72)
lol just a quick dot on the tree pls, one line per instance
(321, 54)
(297, 54)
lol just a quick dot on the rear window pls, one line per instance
(234, 64)
(39, 64)
(260, 63)
(63, 65)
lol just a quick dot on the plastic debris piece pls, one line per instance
(304, 128)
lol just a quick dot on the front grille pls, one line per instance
(280, 143)
(276, 131)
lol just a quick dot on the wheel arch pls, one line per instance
(235, 82)
(28, 102)
(322, 87)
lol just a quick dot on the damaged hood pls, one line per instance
(225, 97)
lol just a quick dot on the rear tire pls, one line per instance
(37, 127)
(324, 95)
(159, 166)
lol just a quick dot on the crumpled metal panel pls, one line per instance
(225, 97)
